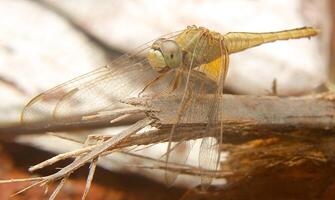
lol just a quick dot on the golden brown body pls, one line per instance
(201, 46)
(205, 44)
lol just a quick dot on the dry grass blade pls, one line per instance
(99, 149)
(60, 157)
(21, 180)
(27, 188)
(92, 154)
(175, 167)
(90, 178)
(188, 170)
(58, 188)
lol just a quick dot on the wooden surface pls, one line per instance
(242, 115)
(280, 147)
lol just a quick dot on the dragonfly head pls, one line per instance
(165, 54)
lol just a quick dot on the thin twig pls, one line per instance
(21, 180)
(60, 157)
(26, 188)
(188, 170)
(98, 149)
(90, 178)
(58, 188)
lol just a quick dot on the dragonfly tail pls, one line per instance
(239, 41)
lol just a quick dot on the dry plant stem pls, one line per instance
(21, 180)
(94, 121)
(84, 150)
(97, 150)
(92, 155)
(159, 164)
(243, 115)
(58, 188)
(246, 117)
(119, 118)
(27, 188)
(114, 114)
(90, 178)
(71, 154)
(254, 112)
(188, 170)
(93, 166)
(175, 167)
(59, 157)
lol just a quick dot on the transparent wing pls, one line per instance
(209, 155)
(92, 92)
(97, 90)
(178, 152)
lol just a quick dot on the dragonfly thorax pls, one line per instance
(165, 54)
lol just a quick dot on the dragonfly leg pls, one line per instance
(150, 83)
(174, 84)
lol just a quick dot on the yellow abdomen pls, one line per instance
(202, 48)
(239, 41)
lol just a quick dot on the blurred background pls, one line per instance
(46, 42)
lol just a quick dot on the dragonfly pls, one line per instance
(190, 63)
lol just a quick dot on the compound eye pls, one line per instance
(171, 52)
(156, 59)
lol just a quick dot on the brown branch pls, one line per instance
(261, 133)
(9, 131)
(250, 116)
(246, 118)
